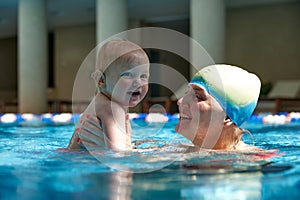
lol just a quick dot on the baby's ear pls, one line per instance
(99, 78)
(101, 81)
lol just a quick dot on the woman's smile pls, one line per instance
(185, 117)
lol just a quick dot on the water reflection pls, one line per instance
(227, 186)
(78, 175)
(197, 175)
(112, 186)
(175, 182)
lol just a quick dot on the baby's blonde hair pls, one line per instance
(118, 52)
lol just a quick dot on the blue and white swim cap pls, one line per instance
(235, 89)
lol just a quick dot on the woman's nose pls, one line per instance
(179, 102)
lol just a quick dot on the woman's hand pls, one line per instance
(88, 134)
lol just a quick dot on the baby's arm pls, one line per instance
(128, 129)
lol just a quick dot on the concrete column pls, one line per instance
(111, 18)
(33, 56)
(207, 27)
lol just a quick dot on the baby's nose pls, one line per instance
(136, 82)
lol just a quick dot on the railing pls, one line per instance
(276, 105)
(61, 106)
(54, 106)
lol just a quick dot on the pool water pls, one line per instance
(34, 164)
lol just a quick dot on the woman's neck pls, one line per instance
(229, 138)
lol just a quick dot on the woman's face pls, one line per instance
(201, 117)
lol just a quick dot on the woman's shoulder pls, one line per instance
(241, 146)
(263, 153)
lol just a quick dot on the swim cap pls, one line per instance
(235, 89)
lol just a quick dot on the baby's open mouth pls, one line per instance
(135, 93)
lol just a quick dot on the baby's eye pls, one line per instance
(126, 74)
(144, 76)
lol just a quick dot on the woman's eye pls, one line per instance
(201, 97)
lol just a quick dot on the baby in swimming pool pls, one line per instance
(121, 77)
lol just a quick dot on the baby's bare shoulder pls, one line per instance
(105, 107)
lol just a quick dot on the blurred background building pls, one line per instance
(44, 42)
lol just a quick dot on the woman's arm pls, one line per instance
(88, 134)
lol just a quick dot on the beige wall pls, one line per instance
(71, 46)
(265, 40)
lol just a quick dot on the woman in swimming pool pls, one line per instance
(219, 99)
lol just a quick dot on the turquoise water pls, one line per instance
(34, 164)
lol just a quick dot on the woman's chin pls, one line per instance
(177, 127)
(182, 126)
